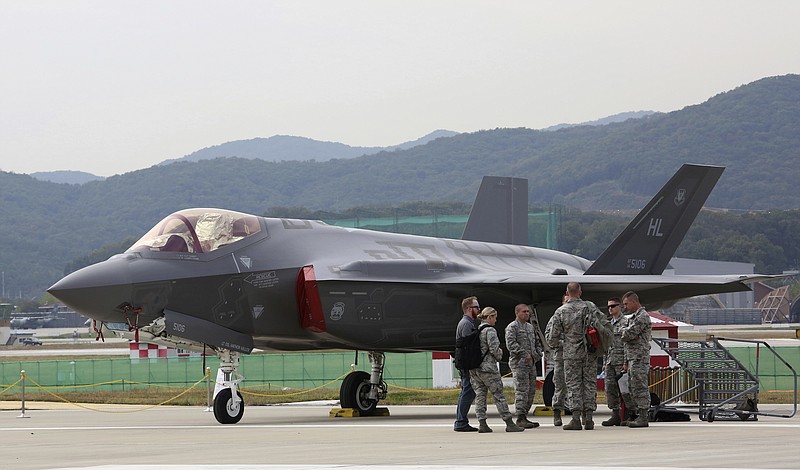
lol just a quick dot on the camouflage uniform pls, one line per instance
(521, 341)
(615, 359)
(559, 381)
(486, 378)
(579, 365)
(635, 336)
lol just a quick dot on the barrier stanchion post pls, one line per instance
(22, 374)
(208, 389)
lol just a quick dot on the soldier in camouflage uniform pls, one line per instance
(614, 362)
(559, 381)
(523, 351)
(486, 378)
(635, 336)
(570, 320)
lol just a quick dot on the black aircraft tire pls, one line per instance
(548, 389)
(354, 392)
(224, 409)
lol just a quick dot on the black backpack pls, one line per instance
(468, 350)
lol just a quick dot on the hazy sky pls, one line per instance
(113, 86)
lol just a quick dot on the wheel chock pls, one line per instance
(542, 411)
(344, 413)
(353, 413)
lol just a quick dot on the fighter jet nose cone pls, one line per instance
(66, 283)
(107, 273)
(95, 290)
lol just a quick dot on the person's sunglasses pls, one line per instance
(612, 306)
(475, 306)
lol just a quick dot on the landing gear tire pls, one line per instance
(548, 389)
(354, 393)
(226, 410)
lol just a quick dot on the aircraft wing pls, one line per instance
(540, 286)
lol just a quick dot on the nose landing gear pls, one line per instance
(228, 402)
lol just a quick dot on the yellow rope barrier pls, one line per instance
(110, 382)
(243, 391)
(133, 382)
(58, 387)
(664, 379)
(115, 411)
(290, 394)
(11, 386)
(436, 390)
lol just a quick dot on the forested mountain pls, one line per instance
(66, 176)
(753, 130)
(290, 148)
(619, 117)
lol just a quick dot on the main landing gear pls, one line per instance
(228, 403)
(362, 391)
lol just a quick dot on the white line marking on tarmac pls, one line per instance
(708, 426)
(379, 467)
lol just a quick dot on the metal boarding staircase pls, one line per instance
(725, 388)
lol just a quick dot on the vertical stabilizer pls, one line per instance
(650, 240)
(500, 211)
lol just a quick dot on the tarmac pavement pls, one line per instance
(414, 437)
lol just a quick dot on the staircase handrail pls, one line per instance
(758, 344)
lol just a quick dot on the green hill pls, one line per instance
(753, 130)
(290, 148)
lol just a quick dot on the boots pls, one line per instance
(588, 423)
(630, 415)
(530, 423)
(557, 417)
(575, 422)
(640, 421)
(614, 420)
(484, 427)
(523, 422)
(511, 426)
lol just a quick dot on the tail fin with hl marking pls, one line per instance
(651, 238)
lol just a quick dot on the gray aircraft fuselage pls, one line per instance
(301, 284)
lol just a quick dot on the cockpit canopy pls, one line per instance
(198, 231)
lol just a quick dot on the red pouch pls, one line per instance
(592, 339)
